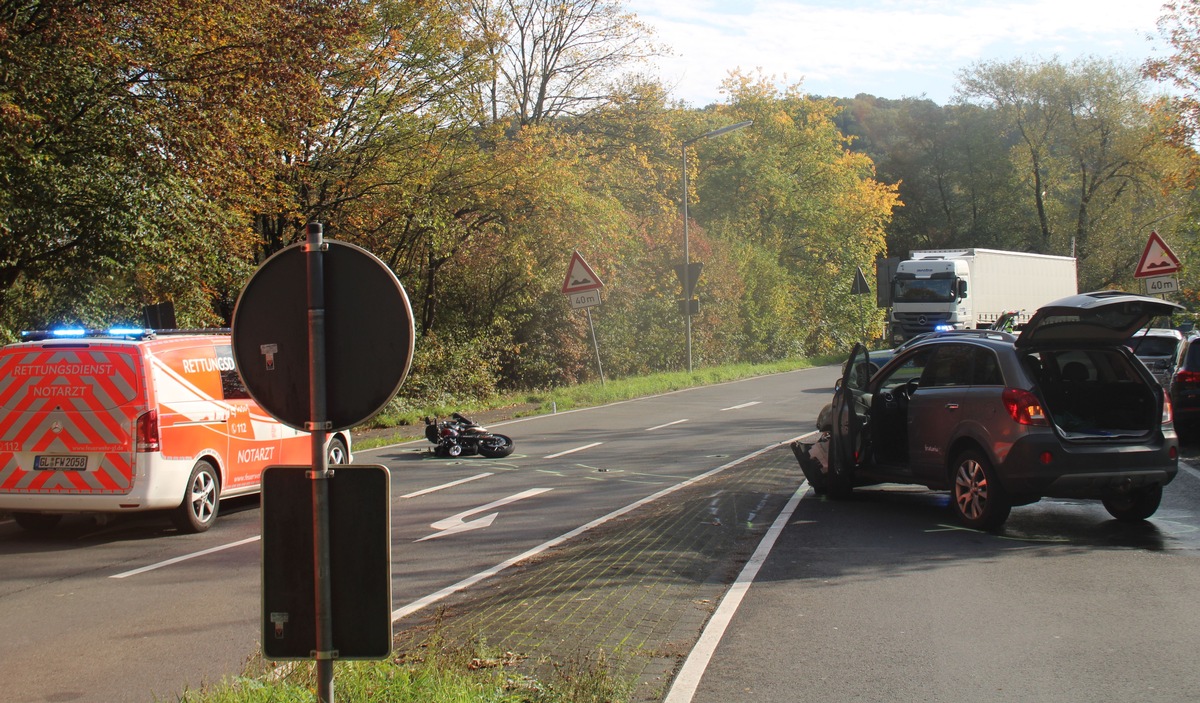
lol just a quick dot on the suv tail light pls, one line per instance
(1024, 407)
(146, 433)
(1186, 380)
(1168, 414)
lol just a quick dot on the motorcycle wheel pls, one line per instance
(454, 449)
(496, 446)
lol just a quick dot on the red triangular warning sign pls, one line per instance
(580, 277)
(1157, 259)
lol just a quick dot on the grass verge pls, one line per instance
(440, 672)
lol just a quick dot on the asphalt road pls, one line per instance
(131, 611)
(877, 598)
(883, 598)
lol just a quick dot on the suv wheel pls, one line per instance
(1136, 505)
(976, 497)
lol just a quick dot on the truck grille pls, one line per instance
(914, 323)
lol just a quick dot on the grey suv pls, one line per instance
(1064, 410)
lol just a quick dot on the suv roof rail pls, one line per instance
(113, 333)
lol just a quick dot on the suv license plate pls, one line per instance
(60, 462)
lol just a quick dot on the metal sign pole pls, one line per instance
(687, 280)
(318, 426)
(595, 344)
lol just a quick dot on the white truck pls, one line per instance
(971, 288)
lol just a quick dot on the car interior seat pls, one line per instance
(1074, 371)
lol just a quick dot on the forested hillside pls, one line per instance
(1076, 159)
(160, 150)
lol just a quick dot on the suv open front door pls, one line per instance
(848, 434)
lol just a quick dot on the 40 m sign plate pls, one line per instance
(1162, 284)
(584, 299)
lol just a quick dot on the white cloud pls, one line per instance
(888, 48)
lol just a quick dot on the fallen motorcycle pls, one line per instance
(459, 436)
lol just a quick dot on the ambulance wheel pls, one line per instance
(200, 501)
(37, 522)
(337, 452)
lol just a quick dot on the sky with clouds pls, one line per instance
(887, 48)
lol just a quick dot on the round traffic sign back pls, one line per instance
(368, 335)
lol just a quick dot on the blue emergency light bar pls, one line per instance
(111, 332)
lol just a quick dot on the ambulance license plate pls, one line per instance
(60, 462)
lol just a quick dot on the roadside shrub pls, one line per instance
(449, 371)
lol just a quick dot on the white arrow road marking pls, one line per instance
(659, 427)
(459, 523)
(576, 449)
(743, 405)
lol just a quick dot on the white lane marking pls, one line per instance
(688, 678)
(452, 484)
(743, 405)
(459, 523)
(185, 557)
(450, 590)
(1189, 469)
(659, 427)
(576, 449)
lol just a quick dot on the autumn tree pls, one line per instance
(139, 136)
(954, 175)
(392, 102)
(1096, 160)
(555, 58)
(801, 214)
(1180, 26)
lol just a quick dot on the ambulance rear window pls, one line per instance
(77, 375)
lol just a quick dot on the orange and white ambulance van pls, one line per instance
(131, 420)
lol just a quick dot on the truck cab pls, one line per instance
(930, 294)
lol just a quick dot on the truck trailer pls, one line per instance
(938, 289)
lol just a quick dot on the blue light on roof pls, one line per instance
(126, 331)
(69, 332)
(943, 328)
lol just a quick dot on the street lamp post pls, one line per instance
(687, 273)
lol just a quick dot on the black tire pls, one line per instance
(337, 452)
(201, 500)
(37, 522)
(1135, 506)
(496, 446)
(976, 496)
